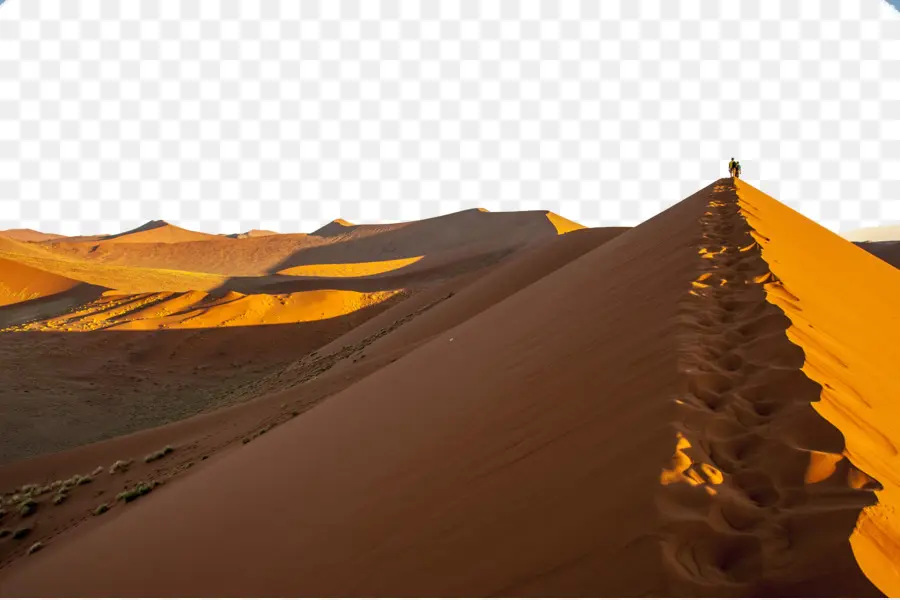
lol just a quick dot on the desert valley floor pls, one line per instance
(478, 404)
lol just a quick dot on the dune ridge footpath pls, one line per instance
(770, 501)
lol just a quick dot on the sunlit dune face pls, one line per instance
(21, 283)
(363, 269)
(199, 310)
(127, 279)
(562, 224)
(842, 304)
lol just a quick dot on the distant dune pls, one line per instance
(28, 235)
(252, 234)
(478, 404)
(336, 227)
(158, 232)
(887, 233)
(21, 283)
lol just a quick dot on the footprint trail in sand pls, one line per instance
(759, 464)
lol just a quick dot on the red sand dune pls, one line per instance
(684, 408)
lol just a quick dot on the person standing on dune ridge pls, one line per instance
(731, 164)
(737, 170)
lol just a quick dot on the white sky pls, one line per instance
(227, 116)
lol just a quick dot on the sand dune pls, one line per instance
(158, 232)
(350, 269)
(696, 406)
(889, 252)
(637, 421)
(200, 310)
(886, 233)
(28, 235)
(9, 246)
(29, 294)
(21, 283)
(253, 233)
(338, 243)
(334, 228)
(151, 335)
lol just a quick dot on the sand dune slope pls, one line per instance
(479, 465)
(200, 310)
(28, 235)
(241, 256)
(339, 248)
(344, 242)
(20, 283)
(158, 232)
(635, 423)
(842, 304)
(887, 233)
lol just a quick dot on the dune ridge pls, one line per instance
(769, 502)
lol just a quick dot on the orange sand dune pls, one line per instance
(124, 279)
(159, 245)
(21, 283)
(29, 294)
(253, 233)
(842, 304)
(634, 423)
(9, 246)
(349, 243)
(29, 235)
(200, 310)
(158, 232)
(336, 227)
(889, 252)
(500, 281)
(222, 255)
(350, 269)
